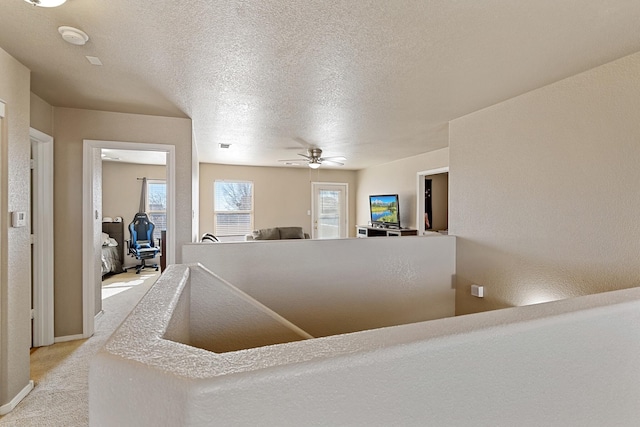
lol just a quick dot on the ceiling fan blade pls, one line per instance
(305, 156)
(301, 161)
(332, 162)
(334, 158)
(304, 143)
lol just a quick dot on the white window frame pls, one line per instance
(148, 209)
(216, 212)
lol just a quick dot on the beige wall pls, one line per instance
(121, 193)
(41, 115)
(544, 191)
(71, 127)
(282, 196)
(399, 177)
(15, 252)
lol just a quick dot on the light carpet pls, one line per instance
(61, 371)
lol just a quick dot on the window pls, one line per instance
(157, 205)
(233, 208)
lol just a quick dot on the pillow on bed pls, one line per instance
(105, 239)
(112, 242)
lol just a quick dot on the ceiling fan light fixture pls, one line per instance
(314, 165)
(46, 3)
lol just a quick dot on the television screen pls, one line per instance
(385, 210)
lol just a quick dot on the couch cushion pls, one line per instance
(291, 233)
(267, 234)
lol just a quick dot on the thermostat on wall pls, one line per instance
(18, 219)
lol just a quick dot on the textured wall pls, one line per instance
(520, 366)
(72, 126)
(544, 191)
(282, 196)
(399, 177)
(41, 115)
(15, 265)
(338, 286)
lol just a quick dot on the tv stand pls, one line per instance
(368, 231)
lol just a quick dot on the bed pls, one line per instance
(112, 248)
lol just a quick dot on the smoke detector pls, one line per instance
(73, 35)
(46, 3)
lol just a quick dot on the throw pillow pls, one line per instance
(291, 233)
(267, 234)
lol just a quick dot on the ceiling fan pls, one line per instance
(314, 159)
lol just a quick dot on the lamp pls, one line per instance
(46, 3)
(313, 164)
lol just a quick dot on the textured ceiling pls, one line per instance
(373, 81)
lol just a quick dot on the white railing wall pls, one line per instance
(569, 362)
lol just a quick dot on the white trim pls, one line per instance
(420, 196)
(98, 316)
(91, 148)
(2, 110)
(42, 217)
(67, 338)
(5, 409)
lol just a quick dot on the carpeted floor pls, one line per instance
(61, 371)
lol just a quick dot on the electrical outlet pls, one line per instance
(477, 291)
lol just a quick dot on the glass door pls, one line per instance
(329, 211)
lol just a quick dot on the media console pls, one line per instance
(368, 231)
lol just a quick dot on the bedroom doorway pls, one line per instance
(92, 218)
(432, 200)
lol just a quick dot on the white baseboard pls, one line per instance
(99, 315)
(5, 409)
(69, 338)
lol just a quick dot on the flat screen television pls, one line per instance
(385, 210)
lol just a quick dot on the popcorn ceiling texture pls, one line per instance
(405, 375)
(375, 81)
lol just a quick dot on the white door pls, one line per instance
(329, 210)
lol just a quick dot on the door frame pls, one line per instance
(92, 180)
(420, 195)
(42, 228)
(316, 184)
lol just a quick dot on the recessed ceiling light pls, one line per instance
(94, 60)
(46, 3)
(73, 35)
(224, 145)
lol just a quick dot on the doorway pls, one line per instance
(92, 217)
(42, 238)
(329, 210)
(432, 200)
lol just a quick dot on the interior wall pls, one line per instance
(195, 193)
(282, 196)
(121, 194)
(544, 191)
(41, 114)
(15, 246)
(71, 127)
(399, 177)
(338, 286)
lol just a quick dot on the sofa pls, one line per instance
(277, 233)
